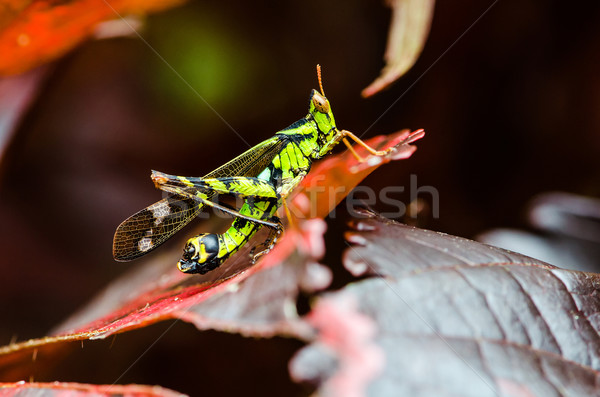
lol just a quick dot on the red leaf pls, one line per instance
(58, 389)
(456, 317)
(44, 30)
(346, 335)
(332, 179)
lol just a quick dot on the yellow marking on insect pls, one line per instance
(237, 235)
(216, 185)
(292, 156)
(262, 205)
(203, 196)
(185, 181)
(285, 161)
(255, 188)
(202, 254)
(306, 146)
(230, 243)
(223, 250)
(277, 161)
(244, 188)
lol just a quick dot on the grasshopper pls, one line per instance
(263, 177)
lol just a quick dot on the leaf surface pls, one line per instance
(459, 318)
(409, 29)
(17, 93)
(59, 389)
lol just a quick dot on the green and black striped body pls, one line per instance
(299, 146)
(264, 176)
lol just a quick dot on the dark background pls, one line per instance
(511, 110)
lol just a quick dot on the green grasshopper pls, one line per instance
(263, 177)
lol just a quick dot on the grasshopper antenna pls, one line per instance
(320, 81)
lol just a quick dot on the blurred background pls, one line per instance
(510, 111)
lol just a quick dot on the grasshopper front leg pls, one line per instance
(348, 134)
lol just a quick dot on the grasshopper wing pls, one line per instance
(152, 226)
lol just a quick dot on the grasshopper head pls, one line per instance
(320, 109)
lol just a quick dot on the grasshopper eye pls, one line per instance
(320, 103)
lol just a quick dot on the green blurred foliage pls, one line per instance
(207, 66)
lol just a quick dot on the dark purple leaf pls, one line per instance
(459, 318)
(61, 389)
(567, 214)
(16, 95)
(565, 231)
